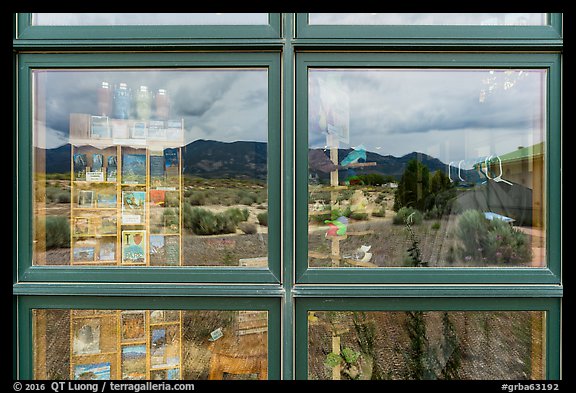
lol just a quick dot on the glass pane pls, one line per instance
(150, 344)
(425, 345)
(434, 167)
(150, 167)
(158, 19)
(445, 19)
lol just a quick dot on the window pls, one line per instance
(288, 196)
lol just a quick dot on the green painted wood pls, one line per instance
(550, 306)
(29, 303)
(549, 275)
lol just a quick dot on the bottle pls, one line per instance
(104, 99)
(143, 103)
(162, 105)
(122, 101)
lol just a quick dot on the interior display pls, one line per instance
(150, 344)
(123, 194)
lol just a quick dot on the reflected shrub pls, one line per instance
(204, 222)
(403, 214)
(263, 219)
(57, 232)
(490, 240)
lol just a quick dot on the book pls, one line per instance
(156, 169)
(86, 198)
(139, 130)
(134, 247)
(133, 168)
(100, 127)
(171, 161)
(107, 251)
(97, 162)
(133, 207)
(172, 251)
(111, 168)
(80, 162)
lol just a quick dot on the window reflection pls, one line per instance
(411, 168)
(151, 167)
(150, 344)
(425, 345)
(132, 19)
(481, 18)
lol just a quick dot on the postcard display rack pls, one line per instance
(113, 344)
(126, 199)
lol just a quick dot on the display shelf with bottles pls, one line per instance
(126, 186)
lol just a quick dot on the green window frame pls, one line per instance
(27, 31)
(181, 302)
(28, 272)
(509, 36)
(435, 301)
(288, 288)
(548, 275)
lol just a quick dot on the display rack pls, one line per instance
(126, 192)
(129, 345)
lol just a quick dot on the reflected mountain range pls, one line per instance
(248, 160)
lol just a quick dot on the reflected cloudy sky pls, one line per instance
(448, 114)
(455, 18)
(224, 105)
(130, 19)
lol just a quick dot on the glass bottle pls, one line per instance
(122, 101)
(143, 103)
(104, 99)
(162, 105)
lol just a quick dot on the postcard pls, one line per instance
(133, 207)
(156, 316)
(133, 325)
(84, 251)
(86, 198)
(107, 251)
(134, 362)
(106, 200)
(139, 130)
(174, 130)
(134, 247)
(108, 225)
(100, 128)
(158, 347)
(134, 168)
(82, 225)
(96, 371)
(156, 250)
(86, 337)
(95, 176)
(156, 130)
